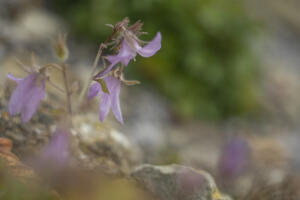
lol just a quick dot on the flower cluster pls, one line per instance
(124, 40)
(108, 81)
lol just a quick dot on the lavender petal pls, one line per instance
(32, 102)
(104, 107)
(11, 77)
(17, 99)
(94, 90)
(108, 69)
(152, 47)
(126, 53)
(115, 101)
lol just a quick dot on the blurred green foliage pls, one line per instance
(206, 66)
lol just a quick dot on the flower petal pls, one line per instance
(17, 99)
(152, 47)
(11, 77)
(32, 102)
(115, 101)
(108, 69)
(104, 106)
(111, 83)
(113, 58)
(113, 86)
(124, 56)
(126, 53)
(94, 90)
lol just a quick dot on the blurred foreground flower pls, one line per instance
(27, 96)
(56, 153)
(109, 92)
(54, 158)
(234, 158)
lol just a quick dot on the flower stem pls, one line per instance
(23, 67)
(56, 87)
(88, 82)
(94, 67)
(67, 89)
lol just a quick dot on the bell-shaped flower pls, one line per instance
(130, 47)
(27, 96)
(109, 97)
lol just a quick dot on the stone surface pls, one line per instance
(175, 182)
(103, 146)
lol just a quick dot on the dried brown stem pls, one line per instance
(67, 89)
(22, 66)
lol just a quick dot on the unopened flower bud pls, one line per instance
(60, 48)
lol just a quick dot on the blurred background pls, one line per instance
(224, 84)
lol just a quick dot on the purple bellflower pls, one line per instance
(109, 97)
(27, 96)
(130, 47)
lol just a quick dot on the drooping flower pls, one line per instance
(130, 47)
(27, 96)
(109, 97)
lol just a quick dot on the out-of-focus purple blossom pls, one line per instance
(234, 157)
(129, 48)
(108, 100)
(57, 150)
(27, 96)
(54, 157)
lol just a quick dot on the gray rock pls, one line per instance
(175, 182)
